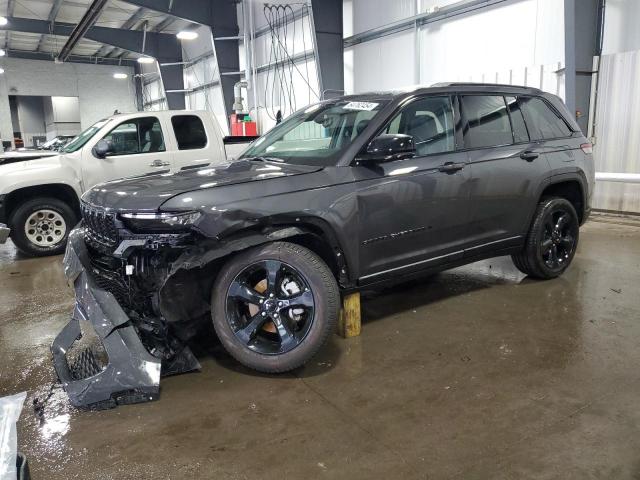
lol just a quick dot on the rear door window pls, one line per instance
(189, 131)
(487, 121)
(543, 122)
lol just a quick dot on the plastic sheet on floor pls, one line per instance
(10, 408)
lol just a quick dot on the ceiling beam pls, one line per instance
(11, 5)
(196, 11)
(85, 23)
(53, 13)
(129, 24)
(33, 55)
(159, 45)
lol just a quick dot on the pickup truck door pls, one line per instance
(197, 141)
(139, 148)
(413, 213)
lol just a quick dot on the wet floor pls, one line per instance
(474, 373)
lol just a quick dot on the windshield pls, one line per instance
(317, 135)
(78, 142)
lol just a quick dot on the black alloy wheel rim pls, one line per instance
(270, 307)
(558, 239)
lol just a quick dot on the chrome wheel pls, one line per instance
(270, 307)
(45, 228)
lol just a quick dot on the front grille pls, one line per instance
(100, 226)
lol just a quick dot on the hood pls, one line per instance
(15, 157)
(148, 192)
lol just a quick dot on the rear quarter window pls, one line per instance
(189, 131)
(543, 121)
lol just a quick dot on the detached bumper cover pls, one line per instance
(4, 232)
(131, 374)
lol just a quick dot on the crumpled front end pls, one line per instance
(115, 367)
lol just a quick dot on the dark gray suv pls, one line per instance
(343, 194)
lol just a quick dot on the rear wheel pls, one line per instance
(552, 240)
(274, 306)
(40, 226)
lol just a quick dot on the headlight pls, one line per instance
(160, 222)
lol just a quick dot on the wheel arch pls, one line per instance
(61, 191)
(570, 187)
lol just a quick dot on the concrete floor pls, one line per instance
(475, 373)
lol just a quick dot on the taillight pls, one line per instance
(587, 148)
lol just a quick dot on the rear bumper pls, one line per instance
(4, 232)
(131, 374)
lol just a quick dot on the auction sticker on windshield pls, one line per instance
(361, 106)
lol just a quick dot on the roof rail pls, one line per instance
(478, 84)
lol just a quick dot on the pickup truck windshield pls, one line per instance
(79, 142)
(317, 135)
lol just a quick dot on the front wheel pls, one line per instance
(40, 226)
(274, 306)
(552, 240)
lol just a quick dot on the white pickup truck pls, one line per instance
(39, 199)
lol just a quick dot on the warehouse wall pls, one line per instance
(98, 92)
(621, 32)
(31, 118)
(485, 44)
(617, 115)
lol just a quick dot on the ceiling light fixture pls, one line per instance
(2, 53)
(3, 21)
(187, 35)
(1, 70)
(120, 76)
(146, 59)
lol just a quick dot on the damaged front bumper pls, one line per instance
(131, 374)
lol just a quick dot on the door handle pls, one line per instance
(451, 167)
(529, 156)
(159, 163)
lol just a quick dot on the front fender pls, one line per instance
(40, 172)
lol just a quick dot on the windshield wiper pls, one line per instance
(263, 159)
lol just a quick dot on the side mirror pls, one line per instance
(102, 148)
(388, 147)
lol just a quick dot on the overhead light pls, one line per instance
(1, 70)
(3, 21)
(2, 53)
(146, 59)
(187, 35)
(120, 75)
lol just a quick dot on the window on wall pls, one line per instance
(430, 122)
(487, 121)
(520, 133)
(542, 120)
(189, 131)
(142, 135)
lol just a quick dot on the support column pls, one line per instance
(327, 24)
(581, 44)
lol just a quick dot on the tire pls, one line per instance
(255, 332)
(47, 213)
(552, 240)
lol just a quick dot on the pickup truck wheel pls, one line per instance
(552, 240)
(274, 306)
(40, 226)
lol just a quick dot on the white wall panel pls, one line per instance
(368, 14)
(621, 32)
(617, 123)
(383, 64)
(514, 36)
